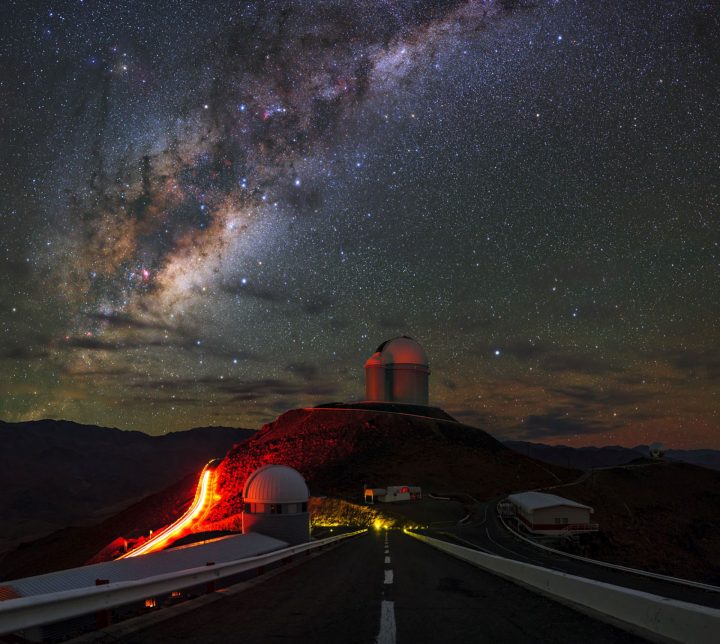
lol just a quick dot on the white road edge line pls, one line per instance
(388, 629)
(387, 560)
(388, 576)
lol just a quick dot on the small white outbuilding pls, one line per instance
(550, 514)
(392, 494)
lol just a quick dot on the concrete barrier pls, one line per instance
(657, 618)
(26, 612)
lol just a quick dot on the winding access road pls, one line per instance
(486, 533)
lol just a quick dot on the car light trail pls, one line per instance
(202, 501)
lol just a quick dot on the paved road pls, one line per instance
(334, 597)
(423, 595)
(441, 599)
(487, 533)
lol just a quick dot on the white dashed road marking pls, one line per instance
(387, 624)
(388, 630)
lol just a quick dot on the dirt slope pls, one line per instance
(661, 516)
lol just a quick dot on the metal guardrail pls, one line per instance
(605, 564)
(25, 612)
(652, 616)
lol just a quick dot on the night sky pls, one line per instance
(211, 212)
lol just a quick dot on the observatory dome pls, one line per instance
(275, 503)
(657, 450)
(276, 484)
(397, 373)
(402, 350)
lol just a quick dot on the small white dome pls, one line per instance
(275, 484)
(402, 350)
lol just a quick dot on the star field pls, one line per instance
(212, 212)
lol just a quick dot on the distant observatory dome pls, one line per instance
(397, 372)
(657, 450)
(275, 503)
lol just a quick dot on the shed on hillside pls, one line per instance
(393, 493)
(550, 514)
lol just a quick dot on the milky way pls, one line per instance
(214, 211)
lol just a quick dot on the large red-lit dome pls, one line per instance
(397, 373)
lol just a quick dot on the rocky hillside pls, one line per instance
(658, 516)
(338, 451)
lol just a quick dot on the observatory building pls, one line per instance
(276, 504)
(657, 450)
(549, 514)
(397, 372)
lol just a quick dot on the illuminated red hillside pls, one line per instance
(340, 450)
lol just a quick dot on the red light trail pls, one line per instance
(204, 497)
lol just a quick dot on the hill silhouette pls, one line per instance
(661, 516)
(338, 451)
(54, 473)
(609, 455)
(78, 545)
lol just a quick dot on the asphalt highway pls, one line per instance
(486, 533)
(383, 587)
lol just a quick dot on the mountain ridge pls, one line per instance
(609, 455)
(54, 473)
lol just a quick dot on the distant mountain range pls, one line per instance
(54, 473)
(585, 458)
